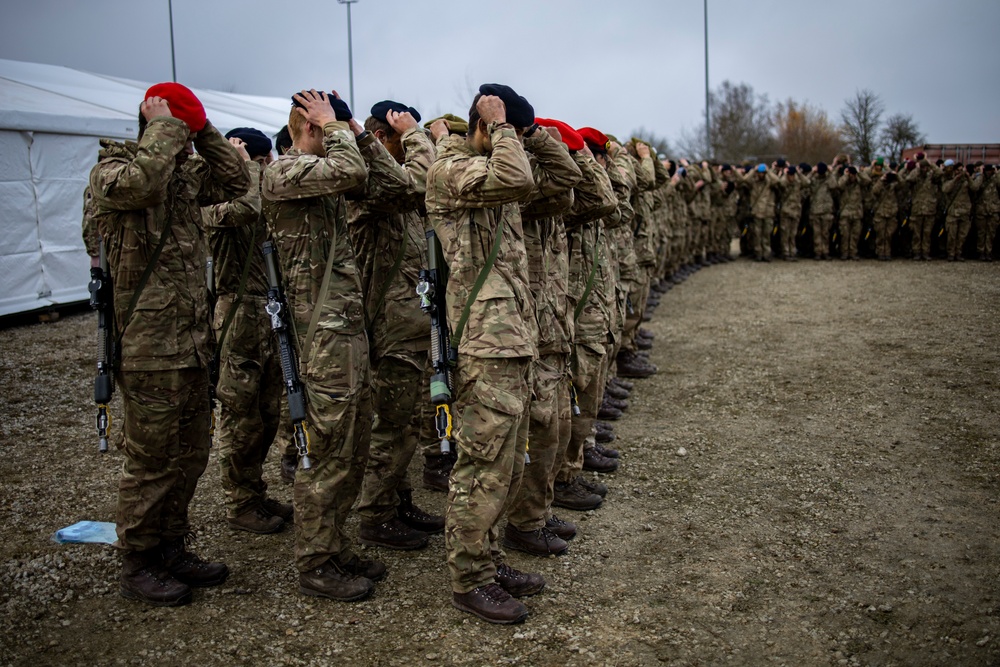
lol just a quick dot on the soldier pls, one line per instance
(250, 381)
(822, 187)
(473, 192)
(884, 208)
(852, 194)
(307, 216)
(147, 199)
(986, 187)
(791, 211)
(924, 180)
(958, 207)
(761, 186)
(387, 229)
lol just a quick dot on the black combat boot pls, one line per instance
(437, 470)
(187, 567)
(615, 391)
(643, 343)
(416, 518)
(596, 462)
(564, 529)
(604, 438)
(392, 534)
(572, 496)
(624, 384)
(609, 412)
(289, 464)
(618, 403)
(630, 365)
(145, 579)
(491, 603)
(589, 486)
(538, 542)
(606, 451)
(517, 583)
(285, 510)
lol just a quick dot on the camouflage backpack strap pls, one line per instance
(324, 289)
(480, 281)
(390, 276)
(590, 279)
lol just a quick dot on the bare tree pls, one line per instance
(861, 119)
(901, 132)
(660, 144)
(741, 126)
(691, 144)
(804, 133)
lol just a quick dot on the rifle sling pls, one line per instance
(239, 296)
(391, 275)
(143, 279)
(324, 291)
(480, 281)
(590, 279)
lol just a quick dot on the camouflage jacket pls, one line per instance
(468, 196)
(555, 173)
(791, 197)
(761, 192)
(821, 190)
(307, 216)
(884, 203)
(142, 191)
(644, 230)
(852, 196)
(236, 231)
(957, 197)
(387, 224)
(987, 191)
(925, 186)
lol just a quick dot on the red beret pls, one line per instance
(569, 136)
(183, 103)
(594, 137)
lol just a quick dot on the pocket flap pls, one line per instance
(498, 399)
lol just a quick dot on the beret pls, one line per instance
(257, 142)
(949, 163)
(283, 140)
(880, 161)
(519, 112)
(183, 103)
(911, 165)
(596, 139)
(781, 163)
(761, 168)
(569, 136)
(791, 170)
(805, 167)
(821, 167)
(381, 109)
(339, 106)
(456, 124)
(920, 155)
(613, 138)
(852, 170)
(726, 167)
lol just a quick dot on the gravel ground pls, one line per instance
(811, 479)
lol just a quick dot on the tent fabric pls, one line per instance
(50, 121)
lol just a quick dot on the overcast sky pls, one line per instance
(616, 65)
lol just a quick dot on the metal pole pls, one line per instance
(350, 54)
(708, 115)
(173, 60)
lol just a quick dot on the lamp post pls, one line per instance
(173, 61)
(708, 117)
(350, 48)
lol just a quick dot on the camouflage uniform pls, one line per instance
(884, 209)
(469, 197)
(761, 191)
(640, 234)
(142, 191)
(987, 191)
(925, 182)
(821, 204)
(250, 384)
(555, 173)
(306, 214)
(958, 210)
(852, 196)
(791, 212)
(387, 226)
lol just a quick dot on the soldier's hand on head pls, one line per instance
(439, 128)
(356, 127)
(491, 109)
(401, 122)
(240, 147)
(155, 107)
(684, 162)
(642, 150)
(315, 107)
(699, 184)
(554, 133)
(586, 151)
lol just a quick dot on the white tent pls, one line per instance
(50, 121)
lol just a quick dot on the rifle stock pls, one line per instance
(431, 289)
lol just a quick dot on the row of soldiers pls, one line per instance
(553, 240)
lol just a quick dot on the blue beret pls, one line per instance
(761, 168)
(381, 109)
(519, 112)
(257, 142)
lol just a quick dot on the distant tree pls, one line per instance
(659, 143)
(691, 144)
(861, 119)
(804, 133)
(900, 132)
(741, 123)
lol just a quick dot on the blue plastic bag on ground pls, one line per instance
(91, 532)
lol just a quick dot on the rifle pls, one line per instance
(431, 289)
(102, 300)
(277, 309)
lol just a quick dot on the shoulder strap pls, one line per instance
(480, 281)
(239, 292)
(590, 279)
(143, 279)
(391, 275)
(324, 291)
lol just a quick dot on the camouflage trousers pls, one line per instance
(760, 237)
(250, 393)
(921, 225)
(638, 294)
(957, 228)
(548, 437)
(789, 230)
(986, 231)
(821, 223)
(166, 442)
(884, 227)
(850, 233)
(490, 434)
(403, 420)
(589, 366)
(338, 391)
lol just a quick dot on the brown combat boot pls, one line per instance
(491, 603)
(596, 462)
(369, 568)
(330, 581)
(590, 486)
(606, 451)
(624, 384)
(573, 496)
(538, 542)
(614, 391)
(392, 534)
(564, 529)
(145, 579)
(643, 343)
(257, 520)
(630, 365)
(517, 583)
(604, 437)
(416, 518)
(609, 412)
(285, 510)
(187, 567)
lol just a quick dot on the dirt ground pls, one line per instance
(811, 479)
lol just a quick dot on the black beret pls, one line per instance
(791, 170)
(852, 170)
(519, 112)
(726, 167)
(821, 167)
(804, 167)
(339, 106)
(781, 163)
(381, 109)
(283, 140)
(257, 142)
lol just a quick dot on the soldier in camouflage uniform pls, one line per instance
(473, 192)
(249, 385)
(986, 187)
(143, 194)
(924, 180)
(822, 187)
(791, 211)
(884, 209)
(852, 198)
(958, 207)
(307, 216)
(387, 228)
(762, 184)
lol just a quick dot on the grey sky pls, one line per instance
(616, 65)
